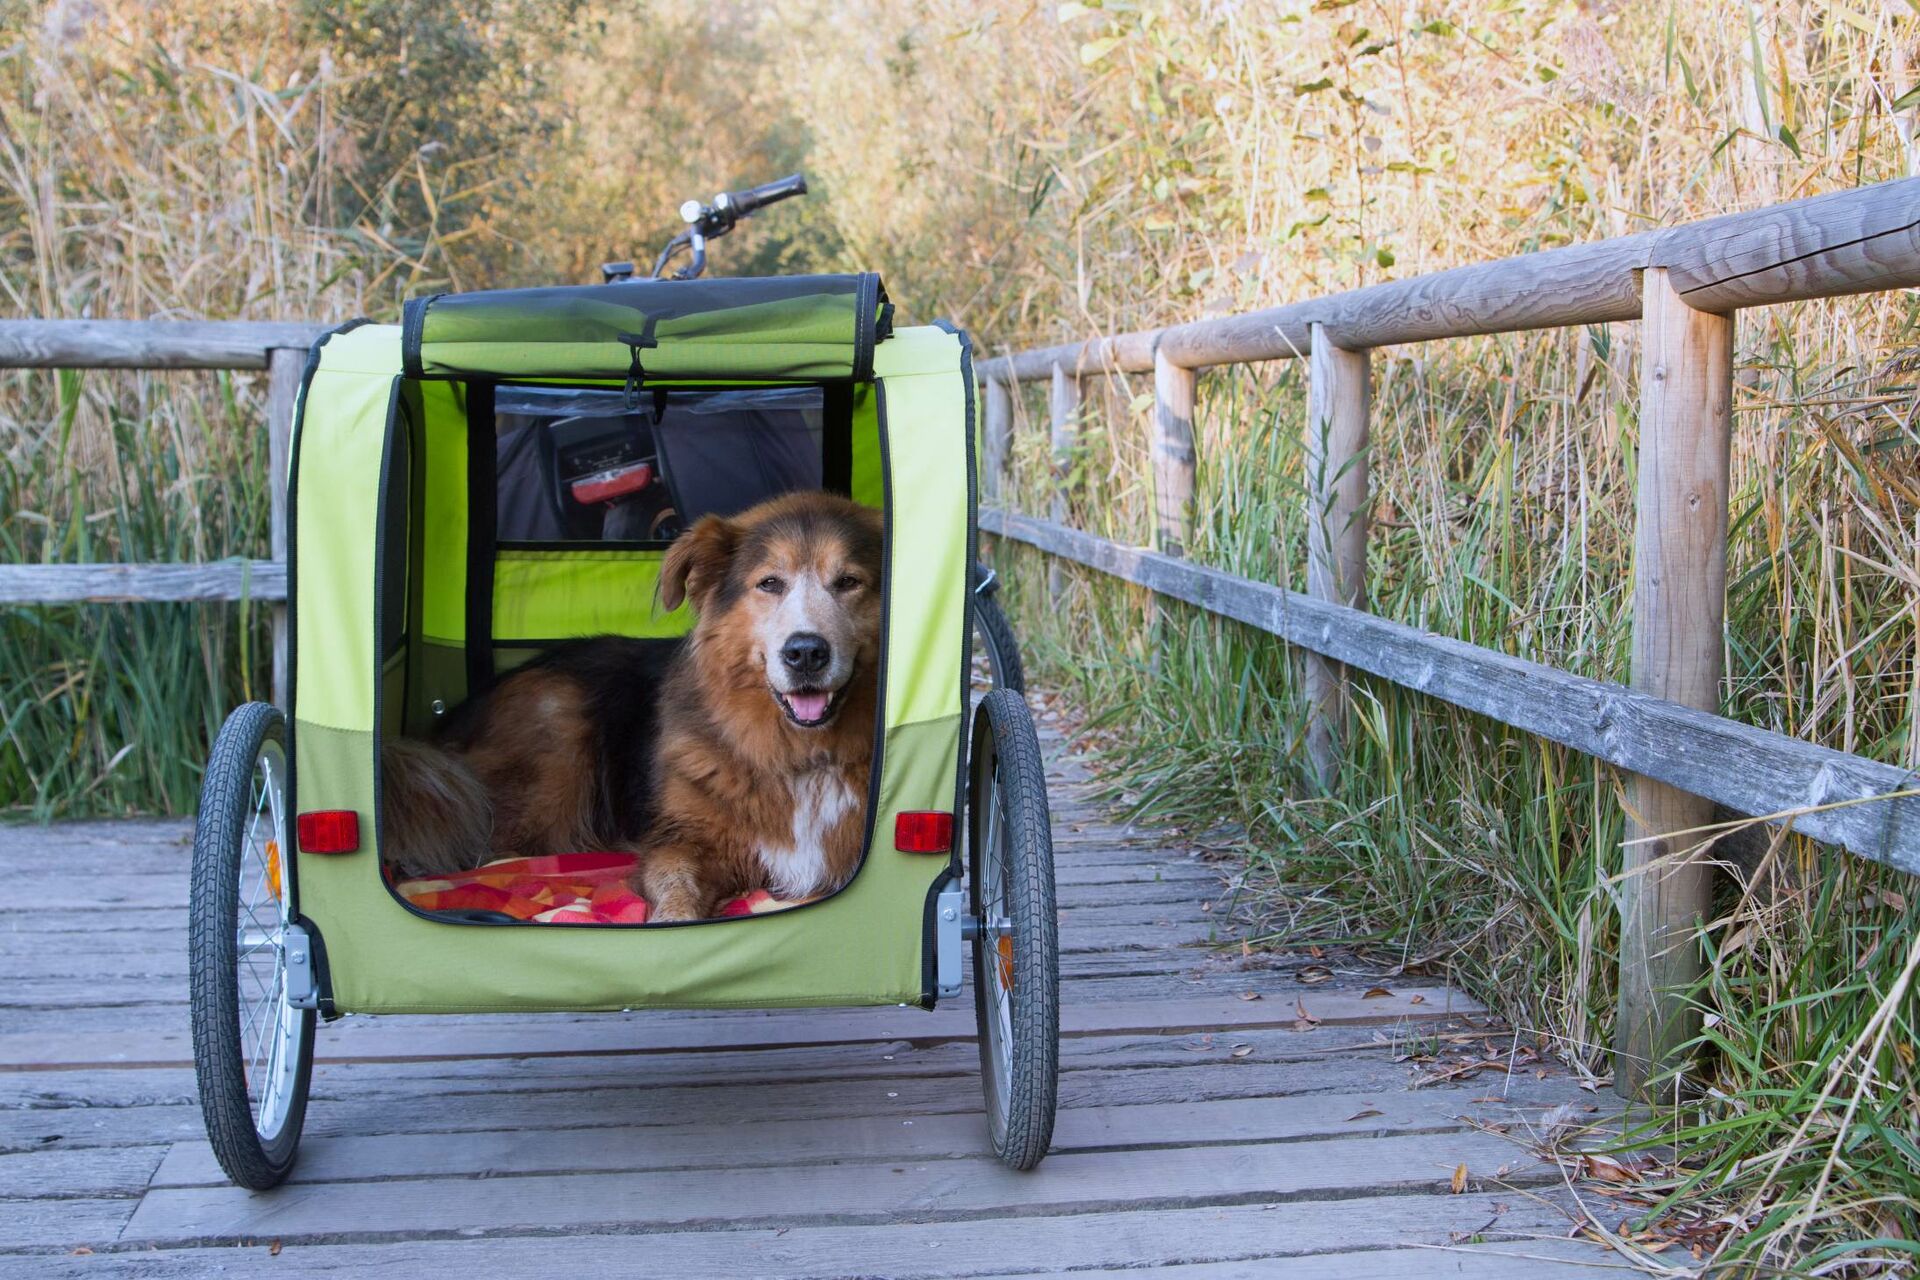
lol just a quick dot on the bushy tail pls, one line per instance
(435, 817)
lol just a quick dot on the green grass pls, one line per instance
(1504, 517)
(109, 709)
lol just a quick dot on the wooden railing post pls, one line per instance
(1173, 455)
(1339, 397)
(998, 433)
(1063, 412)
(285, 365)
(1679, 614)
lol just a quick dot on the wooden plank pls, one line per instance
(261, 580)
(1679, 609)
(57, 1223)
(1747, 769)
(1844, 242)
(998, 434)
(1173, 456)
(1063, 416)
(1510, 1261)
(1339, 394)
(369, 1039)
(635, 1148)
(904, 1248)
(286, 370)
(79, 1172)
(135, 1107)
(855, 1192)
(148, 344)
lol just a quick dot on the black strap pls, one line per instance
(836, 438)
(482, 511)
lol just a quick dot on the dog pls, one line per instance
(738, 760)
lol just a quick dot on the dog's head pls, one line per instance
(786, 593)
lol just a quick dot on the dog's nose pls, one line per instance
(806, 654)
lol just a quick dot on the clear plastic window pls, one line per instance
(596, 465)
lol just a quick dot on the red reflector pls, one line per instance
(929, 831)
(329, 831)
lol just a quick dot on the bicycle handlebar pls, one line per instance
(753, 199)
(708, 222)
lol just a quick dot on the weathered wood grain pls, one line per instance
(1747, 769)
(997, 431)
(1339, 396)
(507, 1035)
(1679, 635)
(1173, 456)
(1063, 415)
(856, 1192)
(1825, 246)
(633, 1149)
(1264, 1232)
(149, 344)
(791, 1148)
(261, 580)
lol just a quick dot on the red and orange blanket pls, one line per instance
(559, 888)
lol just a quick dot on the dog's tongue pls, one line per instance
(808, 707)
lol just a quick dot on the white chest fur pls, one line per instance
(799, 870)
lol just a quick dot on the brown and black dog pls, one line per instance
(737, 761)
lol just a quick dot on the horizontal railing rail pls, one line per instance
(1684, 284)
(280, 348)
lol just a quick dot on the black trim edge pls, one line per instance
(482, 513)
(413, 327)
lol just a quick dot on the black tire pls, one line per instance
(1016, 945)
(231, 836)
(997, 645)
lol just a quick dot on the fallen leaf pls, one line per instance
(1316, 953)
(1314, 974)
(1376, 993)
(1416, 1000)
(1459, 1179)
(273, 1250)
(82, 1251)
(1362, 1115)
(1240, 1051)
(1249, 995)
(1607, 1169)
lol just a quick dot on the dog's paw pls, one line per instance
(672, 910)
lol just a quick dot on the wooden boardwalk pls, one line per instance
(1221, 1115)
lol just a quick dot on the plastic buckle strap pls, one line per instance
(636, 372)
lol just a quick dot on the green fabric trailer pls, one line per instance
(389, 550)
(505, 471)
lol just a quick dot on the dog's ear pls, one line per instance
(697, 561)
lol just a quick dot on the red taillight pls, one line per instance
(329, 831)
(927, 831)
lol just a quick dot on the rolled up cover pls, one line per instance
(778, 327)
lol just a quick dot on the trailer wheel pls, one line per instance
(252, 1049)
(1016, 948)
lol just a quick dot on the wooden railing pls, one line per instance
(279, 348)
(1685, 285)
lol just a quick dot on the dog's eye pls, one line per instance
(771, 585)
(845, 582)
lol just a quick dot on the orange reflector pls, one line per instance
(329, 831)
(1004, 946)
(273, 869)
(924, 831)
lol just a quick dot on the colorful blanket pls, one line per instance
(559, 888)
